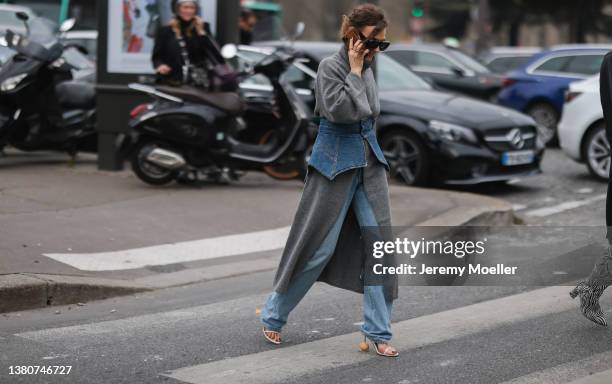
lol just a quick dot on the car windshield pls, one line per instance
(393, 76)
(468, 61)
(505, 64)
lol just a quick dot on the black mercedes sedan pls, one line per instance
(428, 136)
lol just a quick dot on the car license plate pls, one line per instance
(518, 157)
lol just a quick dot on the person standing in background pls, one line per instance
(246, 24)
(184, 46)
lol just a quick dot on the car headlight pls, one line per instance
(452, 132)
(12, 82)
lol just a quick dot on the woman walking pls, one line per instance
(346, 194)
(591, 288)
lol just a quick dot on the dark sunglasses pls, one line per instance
(373, 43)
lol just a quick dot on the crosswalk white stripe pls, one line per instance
(547, 211)
(108, 331)
(518, 207)
(278, 365)
(574, 371)
(215, 247)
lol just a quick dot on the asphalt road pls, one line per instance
(565, 194)
(209, 332)
(152, 337)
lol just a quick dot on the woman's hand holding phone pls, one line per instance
(356, 54)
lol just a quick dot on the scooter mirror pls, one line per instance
(67, 25)
(229, 51)
(299, 30)
(22, 16)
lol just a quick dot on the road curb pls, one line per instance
(22, 291)
(475, 210)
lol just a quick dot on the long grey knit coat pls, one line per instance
(342, 97)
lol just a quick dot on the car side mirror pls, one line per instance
(458, 71)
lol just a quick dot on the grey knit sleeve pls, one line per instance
(341, 97)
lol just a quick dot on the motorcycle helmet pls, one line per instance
(176, 3)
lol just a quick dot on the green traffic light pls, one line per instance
(417, 12)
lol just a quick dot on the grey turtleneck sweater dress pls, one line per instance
(341, 97)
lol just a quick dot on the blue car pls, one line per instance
(538, 86)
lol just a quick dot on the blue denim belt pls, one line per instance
(340, 147)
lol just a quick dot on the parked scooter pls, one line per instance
(41, 107)
(187, 132)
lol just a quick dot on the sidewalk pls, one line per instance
(88, 219)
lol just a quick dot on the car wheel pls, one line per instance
(596, 152)
(407, 157)
(547, 118)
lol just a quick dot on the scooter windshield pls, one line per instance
(41, 42)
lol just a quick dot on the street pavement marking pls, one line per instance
(116, 331)
(598, 378)
(518, 207)
(279, 365)
(210, 272)
(547, 211)
(573, 371)
(214, 247)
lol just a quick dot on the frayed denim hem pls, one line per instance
(377, 340)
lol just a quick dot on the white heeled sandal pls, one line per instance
(387, 352)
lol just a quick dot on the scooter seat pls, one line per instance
(229, 102)
(76, 94)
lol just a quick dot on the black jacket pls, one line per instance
(166, 50)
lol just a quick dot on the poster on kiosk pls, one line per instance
(131, 30)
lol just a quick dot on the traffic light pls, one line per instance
(418, 8)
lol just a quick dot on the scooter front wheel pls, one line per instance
(145, 170)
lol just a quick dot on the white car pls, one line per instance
(582, 130)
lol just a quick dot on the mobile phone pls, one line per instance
(355, 36)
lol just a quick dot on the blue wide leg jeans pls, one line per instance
(376, 309)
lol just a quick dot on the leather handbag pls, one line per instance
(224, 78)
